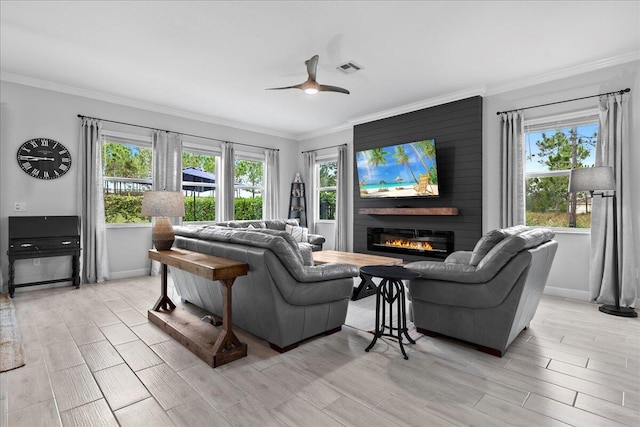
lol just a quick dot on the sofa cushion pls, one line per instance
(490, 239)
(501, 253)
(245, 224)
(299, 234)
(306, 250)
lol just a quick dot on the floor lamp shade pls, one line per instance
(591, 179)
(162, 204)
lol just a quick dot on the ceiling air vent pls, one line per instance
(349, 67)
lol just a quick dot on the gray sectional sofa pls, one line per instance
(283, 299)
(488, 296)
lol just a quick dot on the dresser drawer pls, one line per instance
(19, 246)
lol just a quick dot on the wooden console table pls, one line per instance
(196, 335)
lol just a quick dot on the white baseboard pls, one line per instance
(129, 273)
(566, 293)
(573, 294)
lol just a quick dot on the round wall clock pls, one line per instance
(44, 158)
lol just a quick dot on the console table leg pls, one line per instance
(164, 301)
(227, 340)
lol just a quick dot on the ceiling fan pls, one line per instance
(311, 86)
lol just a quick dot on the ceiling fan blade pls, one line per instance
(312, 66)
(328, 88)
(286, 87)
(311, 86)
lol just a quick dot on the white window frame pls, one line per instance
(558, 121)
(327, 158)
(144, 141)
(253, 157)
(205, 151)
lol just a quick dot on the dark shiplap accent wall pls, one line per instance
(457, 129)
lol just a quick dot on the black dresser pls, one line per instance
(40, 237)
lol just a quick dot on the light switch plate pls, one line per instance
(20, 206)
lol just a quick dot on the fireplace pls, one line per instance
(427, 243)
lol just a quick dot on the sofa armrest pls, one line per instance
(329, 271)
(448, 272)
(459, 257)
(316, 239)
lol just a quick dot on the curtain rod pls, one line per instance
(568, 100)
(324, 148)
(181, 133)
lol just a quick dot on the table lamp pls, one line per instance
(602, 178)
(162, 204)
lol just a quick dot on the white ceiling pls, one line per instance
(214, 60)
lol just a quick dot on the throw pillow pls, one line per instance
(299, 234)
(251, 227)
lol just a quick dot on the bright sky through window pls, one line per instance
(532, 152)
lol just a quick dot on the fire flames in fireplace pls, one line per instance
(422, 243)
(409, 244)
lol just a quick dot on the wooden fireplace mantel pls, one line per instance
(408, 211)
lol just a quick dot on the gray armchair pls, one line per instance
(488, 296)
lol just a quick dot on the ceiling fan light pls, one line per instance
(311, 91)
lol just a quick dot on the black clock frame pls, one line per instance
(44, 158)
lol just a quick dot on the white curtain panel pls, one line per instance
(226, 178)
(512, 169)
(613, 150)
(94, 262)
(309, 159)
(166, 171)
(271, 179)
(341, 200)
(167, 161)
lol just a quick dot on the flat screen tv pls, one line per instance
(398, 171)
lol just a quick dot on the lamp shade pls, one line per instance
(162, 203)
(591, 179)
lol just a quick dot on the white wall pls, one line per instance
(570, 272)
(29, 112)
(327, 228)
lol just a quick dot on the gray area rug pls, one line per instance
(11, 350)
(362, 315)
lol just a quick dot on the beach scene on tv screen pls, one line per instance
(403, 170)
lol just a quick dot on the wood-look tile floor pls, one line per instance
(93, 359)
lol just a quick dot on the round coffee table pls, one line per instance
(390, 291)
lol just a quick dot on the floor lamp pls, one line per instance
(602, 178)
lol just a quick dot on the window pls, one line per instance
(327, 188)
(249, 187)
(126, 171)
(552, 148)
(199, 166)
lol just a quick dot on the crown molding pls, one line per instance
(129, 102)
(565, 73)
(323, 132)
(432, 102)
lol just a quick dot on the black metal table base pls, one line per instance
(390, 292)
(364, 289)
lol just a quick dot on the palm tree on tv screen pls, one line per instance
(403, 159)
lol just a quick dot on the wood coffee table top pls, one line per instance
(359, 260)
